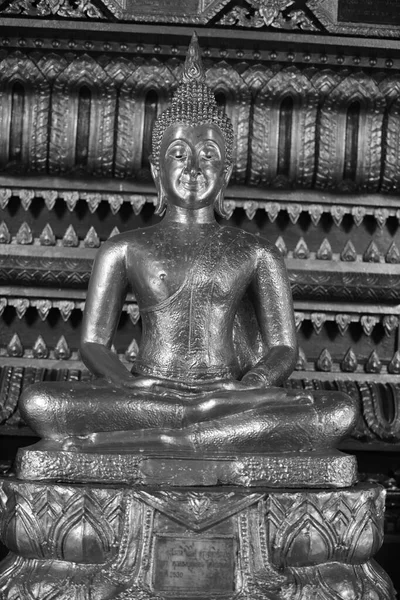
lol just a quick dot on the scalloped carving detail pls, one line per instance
(287, 83)
(83, 71)
(17, 68)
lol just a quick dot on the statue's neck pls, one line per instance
(190, 217)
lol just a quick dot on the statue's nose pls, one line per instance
(192, 166)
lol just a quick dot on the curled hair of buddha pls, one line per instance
(193, 103)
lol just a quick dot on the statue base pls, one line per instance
(330, 469)
(120, 542)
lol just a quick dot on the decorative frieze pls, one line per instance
(291, 544)
(287, 14)
(372, 254)
(317, 279)
(295, 127)
(386, 317)
(379, 207)
(327, 16)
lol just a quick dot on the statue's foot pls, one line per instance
(77, 443)
(230, 402)
(142, 440)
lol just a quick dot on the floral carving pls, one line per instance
(280, 14)
(59, 8)
(295, 539)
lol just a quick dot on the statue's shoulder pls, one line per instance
(122, 242)
(255, 243)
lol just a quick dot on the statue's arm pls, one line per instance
(272, 298)
(107, 291)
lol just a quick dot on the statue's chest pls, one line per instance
(215, 270)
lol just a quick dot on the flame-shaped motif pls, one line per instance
(193, 69)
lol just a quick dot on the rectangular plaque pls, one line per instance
(161, 7)
(375, 12)
(197, 564)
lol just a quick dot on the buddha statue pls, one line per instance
(218, 335)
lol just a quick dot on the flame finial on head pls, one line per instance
(193, 69)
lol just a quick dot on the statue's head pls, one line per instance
(192, 143)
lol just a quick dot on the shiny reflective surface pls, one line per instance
(194, 165)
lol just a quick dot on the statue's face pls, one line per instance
(192, 160)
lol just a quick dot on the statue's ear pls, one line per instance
(162, 201)
(155, 171)
(227, 174)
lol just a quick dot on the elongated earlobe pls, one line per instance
(155, 172)
(161, 197)
(228, 174)
(219, 205)
(219, 200)
(161, 205)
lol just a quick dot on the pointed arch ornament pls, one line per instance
(332, 133)
(84, 71)
(222, 78)
(17, 68)
(153, 77)
(390, 87)
(287, 83)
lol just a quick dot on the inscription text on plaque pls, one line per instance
(200, 564)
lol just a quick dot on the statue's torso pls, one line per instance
(188, 290)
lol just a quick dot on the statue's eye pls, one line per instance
(177, 153)
(210, 153)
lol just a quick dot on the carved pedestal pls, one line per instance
(125, 542)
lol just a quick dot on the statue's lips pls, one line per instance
(192, 186)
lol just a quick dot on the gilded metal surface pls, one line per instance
(218, 328)
(120, 543)
(281, 469)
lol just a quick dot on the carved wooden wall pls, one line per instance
(296, 126)
(316, 171)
